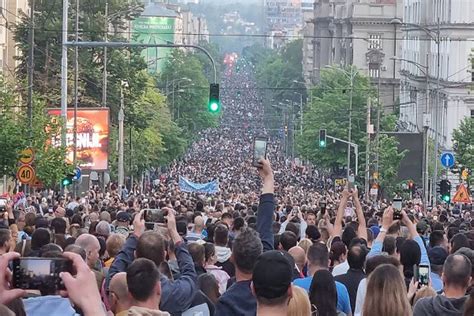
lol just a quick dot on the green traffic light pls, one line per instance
(66, 182)
(214, 107)
(322, 143)
(446, 198)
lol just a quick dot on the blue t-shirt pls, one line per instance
(343, 301)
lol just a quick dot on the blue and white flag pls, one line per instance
(187, 186)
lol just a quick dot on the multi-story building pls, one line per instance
(359, 33)
(10, 11)
(284, 21)
(162, 23)
(429, 26)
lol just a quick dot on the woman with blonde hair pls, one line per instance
(299, 303)
(386, 293)
(305, 243)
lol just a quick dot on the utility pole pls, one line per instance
(301, 114)
(64, 73)
(76, 88)
(438, 105)
(121, 118)
(350, 127)
(367, 152)
(104, 84)
(31, 68)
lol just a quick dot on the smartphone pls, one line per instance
(40, 273)
(397, 208)
(422, 274)
(322, 206)
(3, 204)
(154, 216)
(350, 183)
(259, 150)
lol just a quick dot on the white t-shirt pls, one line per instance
(360, 298)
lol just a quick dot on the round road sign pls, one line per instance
(27, 156)
(26, 174)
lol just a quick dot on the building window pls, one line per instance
(375, 41)
(374, 71)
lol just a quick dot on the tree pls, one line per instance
(463, 138)
(16, 135)
(47, 49)
(330, 110)
(187, 91)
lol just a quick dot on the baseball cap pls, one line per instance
(437, 255)
(272, 274)
(123, 217)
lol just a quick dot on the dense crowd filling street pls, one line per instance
(278, 238)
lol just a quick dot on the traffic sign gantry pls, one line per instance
(27, 156)
(447, 160)
(26, 174)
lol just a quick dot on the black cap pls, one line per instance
(437, 255)
(123, 217)
(272, 274)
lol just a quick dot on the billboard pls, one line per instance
(92, 137)
(411, 166)
(154, 30)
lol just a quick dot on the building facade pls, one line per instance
(284, 21)
(9, 16)
(359, 33)
(447, 26)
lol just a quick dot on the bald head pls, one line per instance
(119, 298)
(299, 256)
(118, 285)
(457, 271)
(91, 245)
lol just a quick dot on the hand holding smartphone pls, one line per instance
(40, 273)
(397, 208)
(259, 150)
(422, 275)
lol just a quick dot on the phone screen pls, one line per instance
(259, 150)
(40, 273)
(423, 275)
(397, 204)
(3, 203)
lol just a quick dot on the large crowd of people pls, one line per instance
(272, 241)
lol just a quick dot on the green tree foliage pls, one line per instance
(15, 135)
(187, 91)
(330, 110)
(463, 139)
(282, 73)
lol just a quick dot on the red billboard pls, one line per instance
(92, 137)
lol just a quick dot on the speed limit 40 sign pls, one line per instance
(26, 174)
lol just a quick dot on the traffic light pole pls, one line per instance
(350, 144)
(142, 45)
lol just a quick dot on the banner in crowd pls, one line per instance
(187, 186)
(92, 137)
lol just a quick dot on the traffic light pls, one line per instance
(67, 181)
(214, 104)
(322, 138)
(411, 187)
(445, 190)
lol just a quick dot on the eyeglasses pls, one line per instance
(315, 310)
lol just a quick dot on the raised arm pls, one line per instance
(266, 206)
(416, 237)
(387, 221)
(362, 230)
(340, 213)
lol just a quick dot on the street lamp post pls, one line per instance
(351, 75)
(425, 70)
(436, 37)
